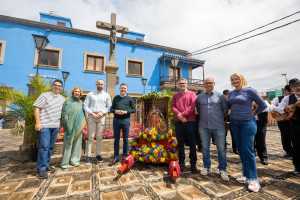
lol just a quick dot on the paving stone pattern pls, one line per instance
(100, 181)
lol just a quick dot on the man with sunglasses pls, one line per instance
(47, 113)
(96, 106)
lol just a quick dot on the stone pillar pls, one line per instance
(111, 78)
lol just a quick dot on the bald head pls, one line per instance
(209, 79)
(209, 84)
(100, 85)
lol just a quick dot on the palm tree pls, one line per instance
(21, 105)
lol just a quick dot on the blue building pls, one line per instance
(84, 54)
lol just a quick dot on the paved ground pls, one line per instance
(18, 180)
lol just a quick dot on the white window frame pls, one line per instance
(134, 60)
(60, 51)
(86, 54)
(2, 53)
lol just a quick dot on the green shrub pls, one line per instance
(21, 105)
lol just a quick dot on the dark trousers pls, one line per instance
(260, 140)
(233, 145)
(197, 136)
(285, 131)
(185, 132)
(118, 125)
(295, 127)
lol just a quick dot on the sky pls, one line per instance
(192, 25)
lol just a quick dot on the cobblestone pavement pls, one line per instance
(100, 181)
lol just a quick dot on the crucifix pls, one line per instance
(111, 68)
(114, 29)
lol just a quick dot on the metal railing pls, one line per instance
(172, 79)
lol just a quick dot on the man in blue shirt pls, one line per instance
(211, 107)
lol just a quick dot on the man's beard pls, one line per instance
(99, 88)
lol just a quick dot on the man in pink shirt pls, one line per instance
(183, 106)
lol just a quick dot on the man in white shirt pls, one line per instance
(286, 105)
(285, 101)
(284, 126)
(96, 106)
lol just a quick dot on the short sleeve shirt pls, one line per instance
(50, 105)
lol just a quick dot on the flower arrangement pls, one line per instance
(152, 146)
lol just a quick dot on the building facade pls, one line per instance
(84, 54)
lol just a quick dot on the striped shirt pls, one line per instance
(50, 105)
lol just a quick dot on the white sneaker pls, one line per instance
(204, 171)
(241, 179)
(254, 186)
(224, 175)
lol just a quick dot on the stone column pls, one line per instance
(111, 78)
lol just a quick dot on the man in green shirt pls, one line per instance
(122, 106)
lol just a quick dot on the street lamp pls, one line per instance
(40, 44)
(174, 62)
(144, 82)
(65, 76)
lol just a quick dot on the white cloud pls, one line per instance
(194, 24)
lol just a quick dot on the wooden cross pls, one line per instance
(114, 29)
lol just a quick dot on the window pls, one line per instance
(174, 72)
(2, 51)
(135, 68)
(49, 57)
(94, 62)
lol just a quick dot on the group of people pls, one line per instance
(242, 111)
(52, 111)
(207, 114)
(212, 108)
(289, 125)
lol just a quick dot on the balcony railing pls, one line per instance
(171, 82)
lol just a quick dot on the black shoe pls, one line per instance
(296, 172)
(194, 170)
(199, 149)
(287, 155)
(43, 175)
(99, 158)
(264, 162)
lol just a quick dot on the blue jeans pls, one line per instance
(46, 141)
(119, 124)
(243, 132)
(219, 135)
